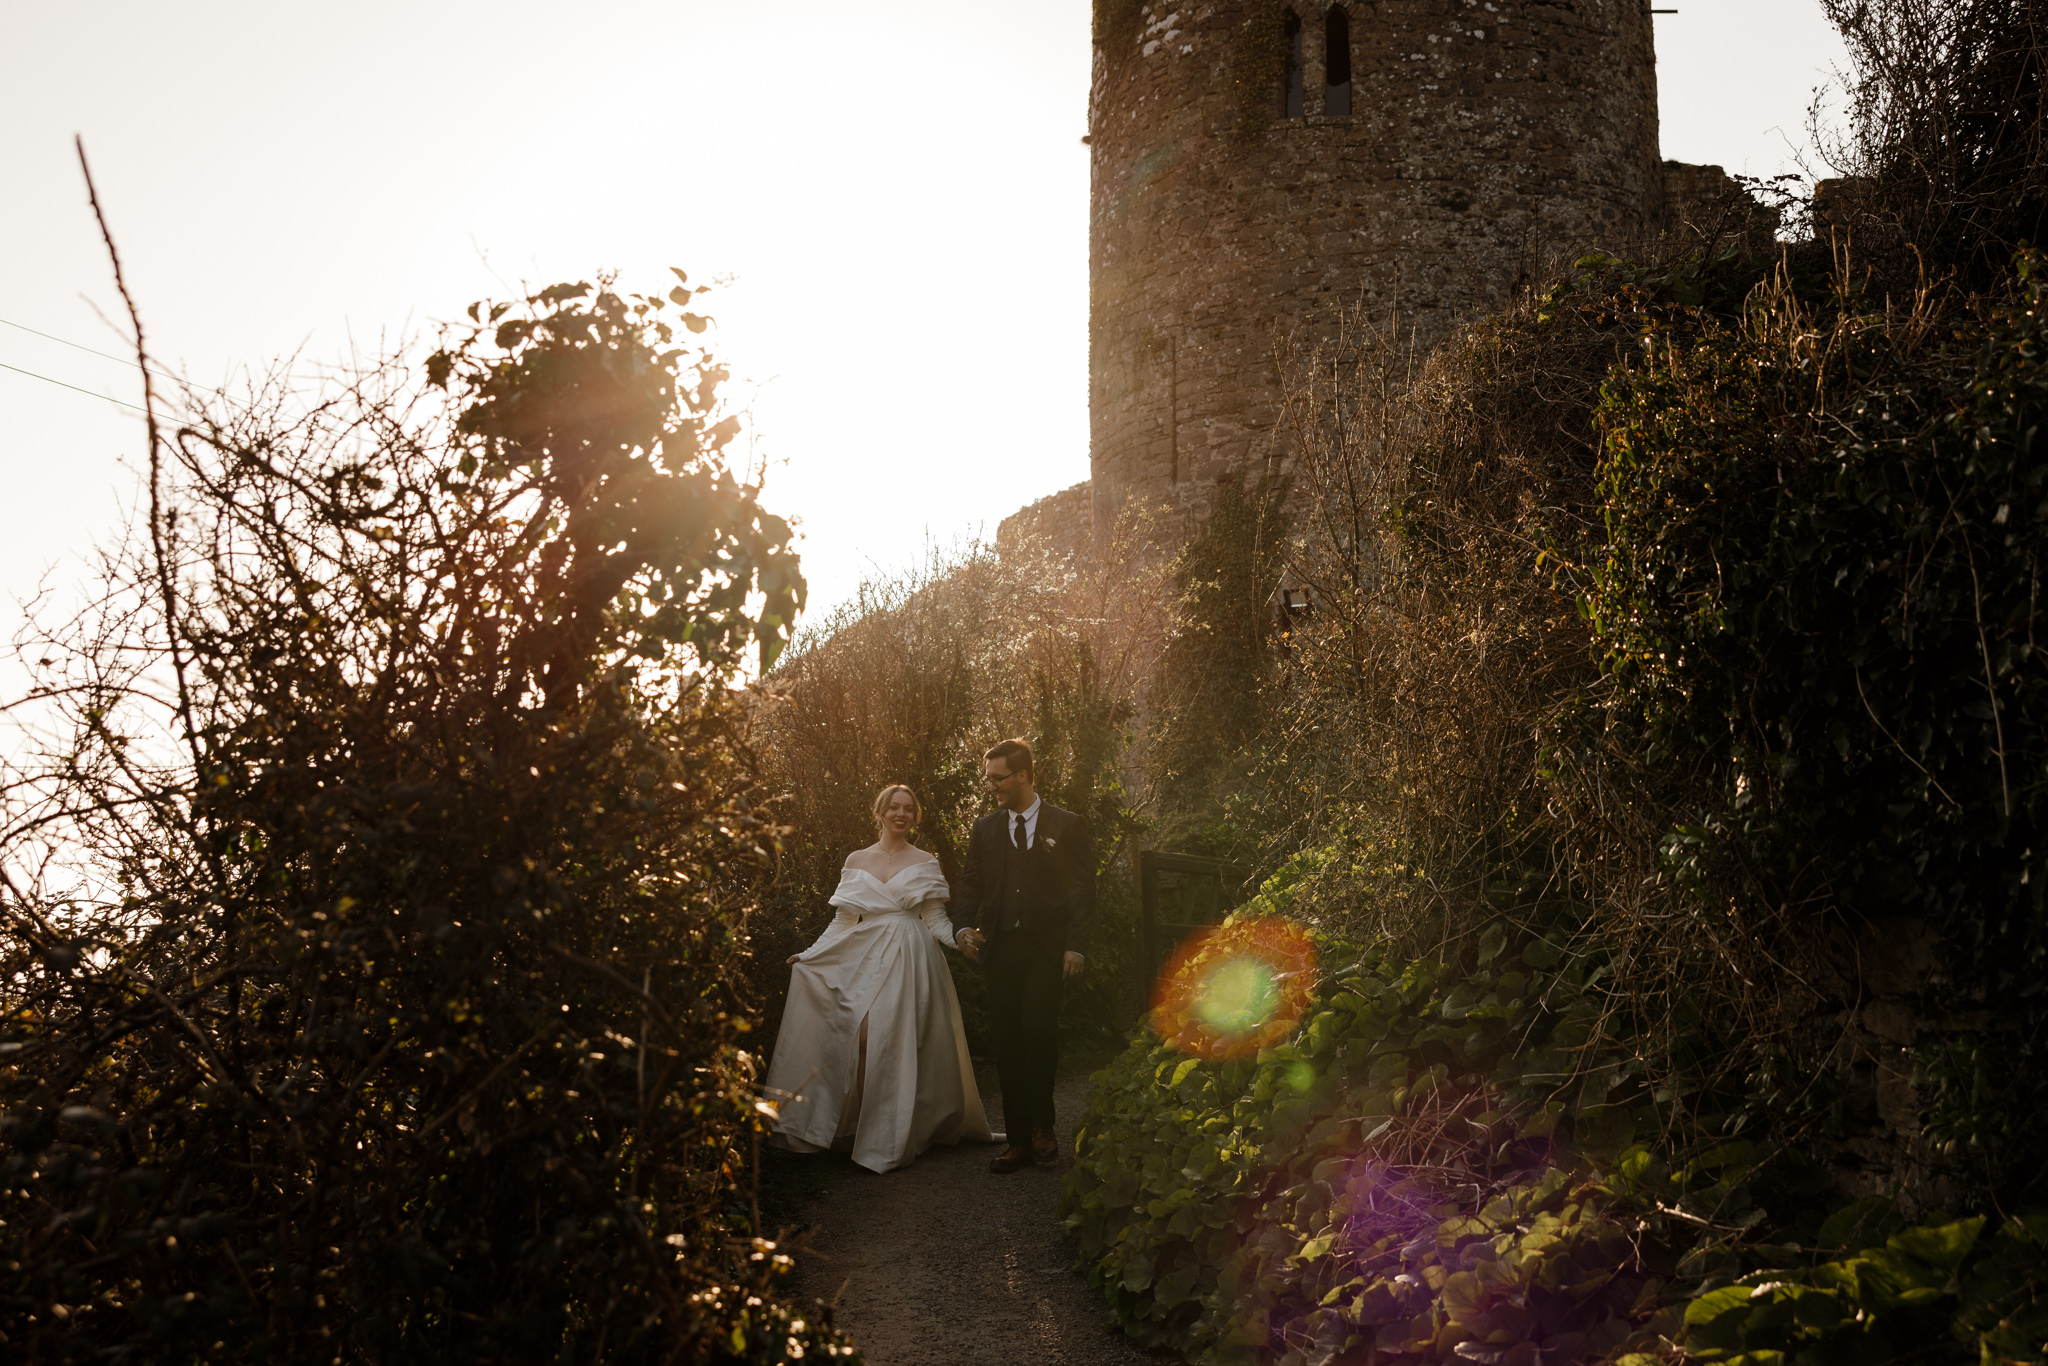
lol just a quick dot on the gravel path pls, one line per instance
(945, 1263)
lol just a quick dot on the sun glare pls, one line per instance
(1235, 989)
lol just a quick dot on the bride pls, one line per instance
(871, 1047)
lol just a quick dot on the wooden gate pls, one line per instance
(1178, 893)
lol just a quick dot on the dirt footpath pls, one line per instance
(946, 1264)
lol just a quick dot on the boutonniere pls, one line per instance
(1051, 843)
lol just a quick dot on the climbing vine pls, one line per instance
(1588, 1119)
(1819, 597)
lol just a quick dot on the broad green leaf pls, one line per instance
(1379, 1303)
(1942, 1247)
(1542, 1122)
(1462, 1296)
(1714, 1321)
(1314, 1248)
(1864, 1223)
(1343, 1291)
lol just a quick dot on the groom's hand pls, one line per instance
(1071, 968)
(969, 942)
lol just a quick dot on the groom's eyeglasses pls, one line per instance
(997, 779)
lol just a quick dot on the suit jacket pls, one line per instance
(1058, 878)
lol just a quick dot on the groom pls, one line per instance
(1030, 877)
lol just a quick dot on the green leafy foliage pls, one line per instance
(1877, 1306)
(2004, 1297)
(1409, 705)
(1939, 1290)
(1601, 289)
(389, 1009)
(588, 403)
(1448, 1166)
(1207, 706)
(1679, 624)
(1439, 1160)
(1817, 597)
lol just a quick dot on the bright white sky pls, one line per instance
(896, 189)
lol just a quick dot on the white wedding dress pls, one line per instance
(878, 961)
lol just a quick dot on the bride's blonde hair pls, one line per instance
(882, 803)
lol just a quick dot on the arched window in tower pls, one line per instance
(1296, 89)
(1337, 62)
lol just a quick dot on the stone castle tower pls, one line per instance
(1258, 163)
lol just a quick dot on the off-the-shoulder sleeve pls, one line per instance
(930, 892)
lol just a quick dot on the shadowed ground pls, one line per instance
(944, 1263)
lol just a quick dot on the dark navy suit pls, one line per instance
(1034, 906)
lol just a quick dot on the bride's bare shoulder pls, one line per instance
(863, 859)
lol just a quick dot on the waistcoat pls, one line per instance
(1015, 862)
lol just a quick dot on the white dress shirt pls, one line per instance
(1030, 815)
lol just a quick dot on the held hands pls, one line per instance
(969, 942)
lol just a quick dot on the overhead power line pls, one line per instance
(80, 346)
(90, 351)
(73, 387)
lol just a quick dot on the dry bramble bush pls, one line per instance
(375, 885)
(1469, 721)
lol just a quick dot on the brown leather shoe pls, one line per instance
(1044, 1146)
(1014, 1158)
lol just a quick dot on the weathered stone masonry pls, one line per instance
(1485, 134)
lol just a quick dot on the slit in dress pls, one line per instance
(849, 1110)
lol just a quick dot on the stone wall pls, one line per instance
(1062, 523)
(1485, 135)
(1705, 205)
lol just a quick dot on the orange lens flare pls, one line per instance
(1233, 989)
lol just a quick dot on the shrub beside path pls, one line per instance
(944, 1263)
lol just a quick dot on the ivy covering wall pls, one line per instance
(1664, 781)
